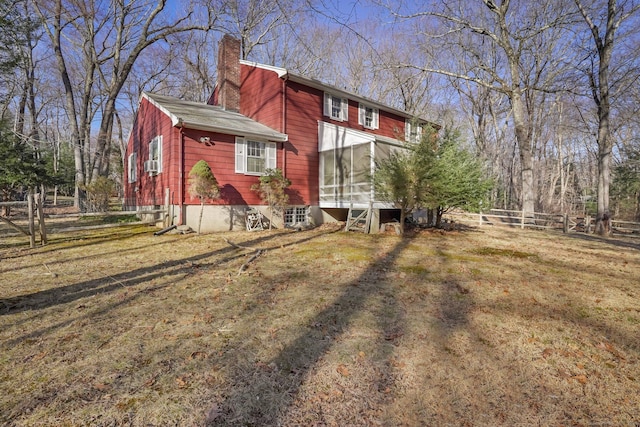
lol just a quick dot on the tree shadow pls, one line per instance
(232, 198)
(65, 294)
(79, 239)
(282, 377)
(89, 255)
(607, 240)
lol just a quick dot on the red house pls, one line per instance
(325, 140)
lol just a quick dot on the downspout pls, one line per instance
(181, 175)
(284, 123)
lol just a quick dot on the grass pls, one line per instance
(481, 327)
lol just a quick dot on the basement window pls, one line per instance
(296, 215)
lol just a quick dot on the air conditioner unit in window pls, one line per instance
(151, 166)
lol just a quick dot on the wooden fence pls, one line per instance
(539, 220)
(35, 203)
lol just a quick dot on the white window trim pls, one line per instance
(157, 140)
(409, 135)
(132, 167)
(362, 111)
(270, 152)
(344, 107)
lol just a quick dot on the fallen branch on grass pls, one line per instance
(244, 266)
(235, 245)
(257, 253)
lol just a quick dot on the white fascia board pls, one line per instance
(175, 120)
(276, 137)
(281, 72)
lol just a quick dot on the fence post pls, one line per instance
(565, 223)
(32, 228)
(588, 224)
(40, 211)
(480, 218)
(522, 220)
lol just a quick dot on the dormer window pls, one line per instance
(335, 107)
(368, 116)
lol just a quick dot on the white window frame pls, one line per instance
(412, 131)
(157, 142)
(343, 114)
(362, 116)
(242, 155)
(132, 167)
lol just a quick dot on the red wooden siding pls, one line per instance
(150, 122)
(261, 96)
(220, 155)
(389, 124)
(303, 110)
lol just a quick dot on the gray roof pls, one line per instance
(201, 116)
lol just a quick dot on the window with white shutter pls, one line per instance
(335, 107)
(368, 116)
(254, 157)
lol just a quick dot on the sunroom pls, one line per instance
(347, 160)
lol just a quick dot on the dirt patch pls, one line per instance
(476, 326)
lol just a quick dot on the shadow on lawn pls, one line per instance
(76, 239)
(607, 240)
(65, 294)
(280, 379)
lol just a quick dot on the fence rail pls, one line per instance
(35, 213)
(539, 220)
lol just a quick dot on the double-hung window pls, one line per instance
(132, 167)
(254, 157)
(335, 107)
(368, 116)
(412, 131)
(154, 164)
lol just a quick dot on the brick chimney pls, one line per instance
(229, 73)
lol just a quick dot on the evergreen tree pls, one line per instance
(625, 190)
(19, 166)
(203, 185)
(434, 174)
(457, 178)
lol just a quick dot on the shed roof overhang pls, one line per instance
(209, 118)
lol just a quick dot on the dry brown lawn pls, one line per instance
(476, 327)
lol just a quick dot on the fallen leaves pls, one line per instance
(183, 381)
(342, 370)
(582, 379)
(611, 349)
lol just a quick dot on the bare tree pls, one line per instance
(603, 23)
(109, 40)
(510, 48)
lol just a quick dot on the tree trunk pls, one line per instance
(201, 211)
